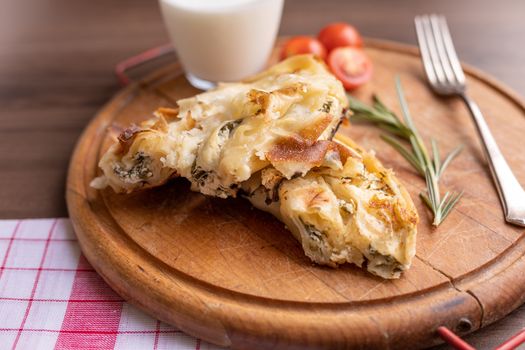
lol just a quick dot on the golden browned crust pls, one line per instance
(169, 114)
(259, 98)
(160, 125)
(220, 138)
(339, 220)
(126, 138)
(312, 132)
(300, 150)
(315, 197)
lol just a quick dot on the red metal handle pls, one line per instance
(457, 343)
(137, 60)
(512, 343)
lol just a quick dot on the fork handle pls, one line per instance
(511, 194)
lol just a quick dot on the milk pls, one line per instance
(222, 40)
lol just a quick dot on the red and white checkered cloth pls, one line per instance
(51, 298)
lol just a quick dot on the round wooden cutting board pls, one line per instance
(232, 275)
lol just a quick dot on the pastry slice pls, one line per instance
(348, 210)
(269, 139)
(220, 138)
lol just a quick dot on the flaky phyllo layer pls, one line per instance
(269, 140)
(218, 139)
(349, 210)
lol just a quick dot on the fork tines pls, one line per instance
(440, 60)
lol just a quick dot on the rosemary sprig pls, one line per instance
(428, 165)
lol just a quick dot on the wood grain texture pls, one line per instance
(234, 276)
(57, 58)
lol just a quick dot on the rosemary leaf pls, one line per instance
(432, 193)
(428, 165)
(449, 206)
(435, 153)
(404, 107)
(392, 129)
(415, 138)
(418, 151)
(380, 106)
(378, 114)
(453, 154)
(444, 200)
(404, 152)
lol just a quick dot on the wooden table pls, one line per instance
(56, 71)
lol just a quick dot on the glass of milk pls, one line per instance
(222, 40)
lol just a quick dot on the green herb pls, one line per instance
(314, 233)
(140, 170)
(227, 129)
(326, 106)
(199, 175)
(428, 165)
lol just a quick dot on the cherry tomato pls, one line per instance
(301, 45)
(351, 66)
(339, 34)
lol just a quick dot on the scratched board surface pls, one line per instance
(233, 275)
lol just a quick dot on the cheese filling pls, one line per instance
(269, 138)
(220, 138)
(353, 213)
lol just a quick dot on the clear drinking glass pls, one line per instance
(221, 40)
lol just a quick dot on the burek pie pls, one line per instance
(269, 139)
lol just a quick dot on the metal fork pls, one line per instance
(446, 78)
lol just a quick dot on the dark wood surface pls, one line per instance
(56, 71)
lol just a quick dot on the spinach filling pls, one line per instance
(313, 233)
(140, 171)
(228, 128)
(383, 260)
(200, 176)
(327, 106)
